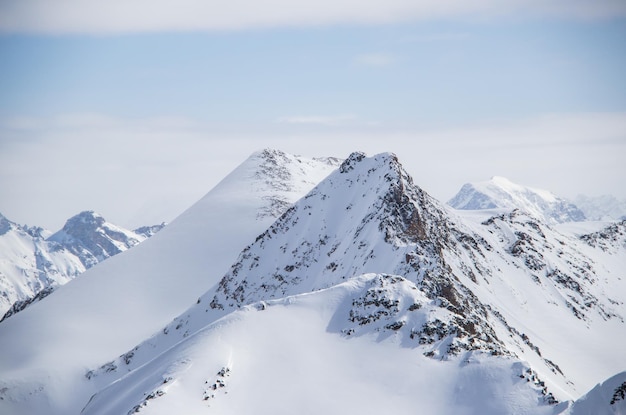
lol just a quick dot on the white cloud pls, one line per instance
(123, 16)
(318, 119)
(375, 59)
(437, 37)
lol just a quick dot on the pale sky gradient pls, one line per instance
(136, 109)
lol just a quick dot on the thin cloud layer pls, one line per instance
(375, 59)
(123, 16)
(317, 119)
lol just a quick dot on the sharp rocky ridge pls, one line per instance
(439, 282)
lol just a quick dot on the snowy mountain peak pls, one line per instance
(367, 217)
(86, 217)
(77, 225)
(500, 192)
(277, 179)
(350, 162)
(90, 237)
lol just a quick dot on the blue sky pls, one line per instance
(80, 85)
(405, 74)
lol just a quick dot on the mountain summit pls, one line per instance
(500, 192)
(369, 257)
(92, 239)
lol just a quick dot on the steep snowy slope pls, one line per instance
(531, 305)
(500, 192)
(123, 300)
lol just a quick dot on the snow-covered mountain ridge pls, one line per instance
(277, 355)
(33, 262)
(500, 192)
(444, 286)
(365, 295)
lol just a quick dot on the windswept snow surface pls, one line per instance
(500, 192)
(115, 305)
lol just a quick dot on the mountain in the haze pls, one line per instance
(500, 192)
(367, 285)
(34, 262)
(125, 299)
(92, 239)
(606, 207)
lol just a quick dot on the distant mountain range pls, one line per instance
(499, 192)
(326, 286)
(605, 207)
(34, 262)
